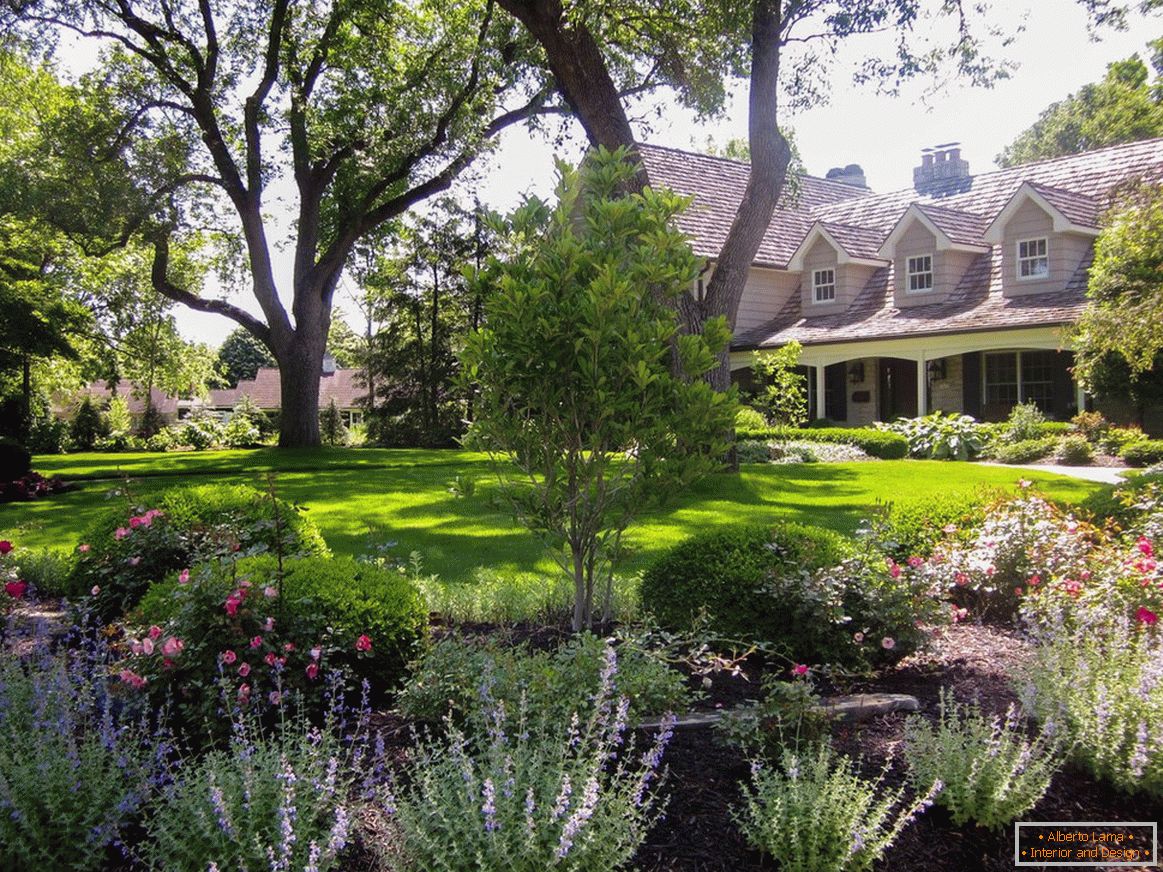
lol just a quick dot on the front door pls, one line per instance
(898, 388)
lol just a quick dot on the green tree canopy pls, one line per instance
(1126, 106)
(577, 394)
(241, 356)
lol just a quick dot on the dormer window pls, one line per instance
(824, 285)
(920, 274)
(1033, 262)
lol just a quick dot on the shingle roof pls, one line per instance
(135, 397)
(961, 227)
(264, 389)
(1079, 208)
(857, 241)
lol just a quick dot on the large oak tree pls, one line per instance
(246, 121)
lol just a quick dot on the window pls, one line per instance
(1032, 260)
(824, 285)
(920, 274)
(1013, 377)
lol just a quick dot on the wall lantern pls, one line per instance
(856, 372)
(936, 369)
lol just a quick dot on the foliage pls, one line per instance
(1024, 451)
(1123, 107)
(76, 766)
(1024, 422)
(241, 356)
(241, 432)
(748, 418)
(791, 588)
(309, 616)
(940, 436)
(123, 552)
(781, 392)
(789, 715)
(554, 684)
(1119, 438)
(200, 431)
(331, 427)
(574, 368)
(989, 771)
(1091, 425)
(286, 798)
(1097, 679)
(30, 487)
(15, 461)
(87, 426)
(754, 451)
(45, 571)
(884, 445)
(527, 793)
(916, 527)
(1075, 451)
(815, 814)
(1145, 452)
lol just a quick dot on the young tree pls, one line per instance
(200, 113)
(1124, 107)
(781, 392)
(577, 398)
(1120, 335)
(241, 356)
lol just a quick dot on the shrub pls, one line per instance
(816, 452)
(87, 426)
(753, 451)
(989, 771)
(789, 715)
(1118, 438)
(447, 676)
(1145, 452)
(44, 570)
(877, 443)
(781, 390)
(331, 426)
(266, 632)
(940, 436)
(163, 439)
(1025, 451)
(1074, 451)
(201, 432)
(240, 432)
(815, 814)
(749, 419)
(47, 434)
(1024, 423)
(915, 527)
(124, 551)
(76, 767)
(529, 794)
(15, 461)
(726, 573)
(30, 487)
(1092, 426)
(281, 799)
(1098, 681)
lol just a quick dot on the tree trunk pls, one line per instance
(300, 366)
(25, 424)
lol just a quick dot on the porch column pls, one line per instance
(820, 412)
(1081, 398)
(922, 385)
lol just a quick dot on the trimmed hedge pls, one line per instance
(1146, 452)
(877, 443)
(1025, 451)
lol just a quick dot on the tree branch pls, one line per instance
(255, 101)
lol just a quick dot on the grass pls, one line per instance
(404, 496)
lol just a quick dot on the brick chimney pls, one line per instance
(852, 174)
(942, 170)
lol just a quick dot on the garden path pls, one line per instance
(1104, 474)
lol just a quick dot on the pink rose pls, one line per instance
(895, 570)
(135, 647)
(229, 657)
(134, 523)
(120, 533)
(270, 658)
(172, 647)
(857, 638)
(16, 589)
(5, 546)
(312, 671)
(316, 653)
(83, 548)
(95, 589)
(270, 591)
(1146, 616)
(275, 697)
(799, 669)
(269, 626)
(1144, 546)
(231, 605)
(154, 632)
(363, 643)
(184, 576)
(289, 647)
(131, 678)
(887, 643)
(244, 669)
(147, 645)
(256, 642)
(133, 561)
(915, 561)
(243, 692)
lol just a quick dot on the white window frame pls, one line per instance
(820, 286)
(915, 268)
(1033, 261)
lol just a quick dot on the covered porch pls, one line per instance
(980, 374)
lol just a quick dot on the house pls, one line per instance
(341, 385)
(953, 295)
(169, 407)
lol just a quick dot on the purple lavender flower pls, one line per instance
(580, 816)
(562, 802)
(489, 807)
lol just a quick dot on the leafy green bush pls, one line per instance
(1145, 452)
(87, 426)
(15, 461)
(1025, 451)
(753, 451)
(447, 676)
(529, 793)
(748, 418)
(815, 814)
(940, 436)
(45, 570)
(125, 550)
(915, 527)
(47, 434)
(1092, 426)
(331, 612)
(1024, 423)
(877, 443)
(989, 771)
(791, 587)
(76, 767)
(201, 432)
(1118, 438)
(1074, 451)
(788, 715)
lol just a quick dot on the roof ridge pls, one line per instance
(1058, 190)
(747, 166)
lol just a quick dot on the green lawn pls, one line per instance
(404, 494)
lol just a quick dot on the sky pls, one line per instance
(883, 134)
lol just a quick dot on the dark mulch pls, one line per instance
(973, 661)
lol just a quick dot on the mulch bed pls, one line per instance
(974, 661)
